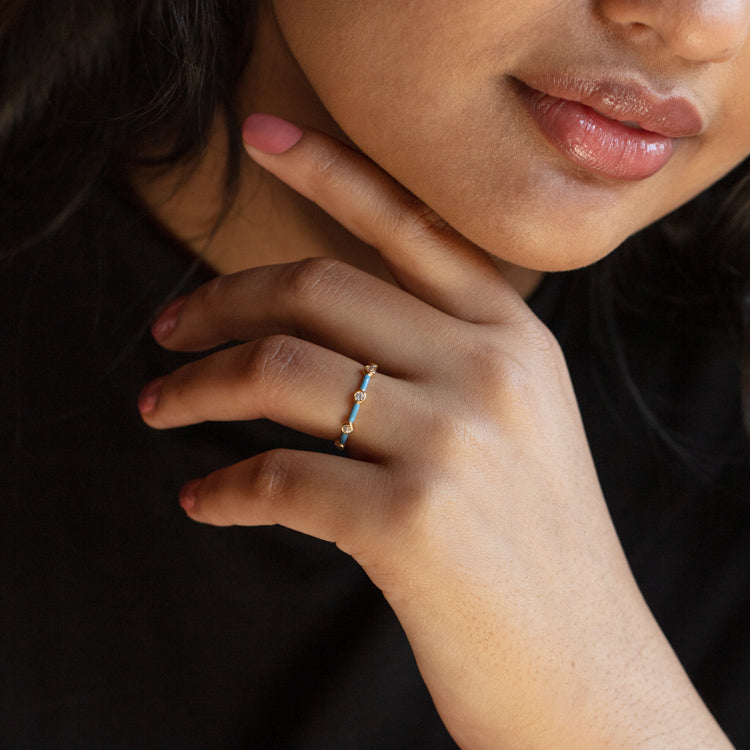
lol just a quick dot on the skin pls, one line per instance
(500, 184)
(469, 495)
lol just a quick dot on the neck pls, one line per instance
(267, 222)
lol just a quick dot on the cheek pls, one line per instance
(498, 184)
(438, 123)
(359, 57)
(422, 100)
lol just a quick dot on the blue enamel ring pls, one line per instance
(359, 398)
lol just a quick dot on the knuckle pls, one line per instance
(511, 370)
(504, 379)
(269, 480)
(313, 278)
(328, 163)
(539, 339)
(486, 355)
(515, 386)
(272, 360)
(416, 222)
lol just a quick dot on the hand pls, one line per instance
(469, 495)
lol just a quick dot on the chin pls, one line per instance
(547, 243)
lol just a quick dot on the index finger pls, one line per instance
(427, 257)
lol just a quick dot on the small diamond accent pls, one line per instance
(371, 369)
(360, 396)
(347, 428)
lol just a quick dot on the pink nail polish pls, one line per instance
(167, 320)
(189, 494)
(150, 396)
(270, 134)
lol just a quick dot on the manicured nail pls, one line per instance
(149, 396)
(270, 134)
(189, 493)
(167, 320)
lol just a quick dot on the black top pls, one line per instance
(126, 625)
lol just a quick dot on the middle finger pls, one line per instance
(321, 300)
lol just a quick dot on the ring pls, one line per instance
(359, 397)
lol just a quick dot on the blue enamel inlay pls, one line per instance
(355, 409)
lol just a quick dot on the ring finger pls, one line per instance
(289, 381)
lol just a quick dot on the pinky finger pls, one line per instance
(329, 497)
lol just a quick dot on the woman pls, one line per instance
(545, 135)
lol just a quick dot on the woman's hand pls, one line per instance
(469, 495)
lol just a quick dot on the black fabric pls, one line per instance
(126, 625)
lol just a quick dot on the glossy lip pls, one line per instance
(613, 129)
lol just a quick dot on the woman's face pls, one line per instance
(506, 116)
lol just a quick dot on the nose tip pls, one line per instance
(696, 30)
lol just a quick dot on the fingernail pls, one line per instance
(167, 320)
(189, 493)
(149, 396)
(270, 134)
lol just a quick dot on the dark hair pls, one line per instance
(90, 86)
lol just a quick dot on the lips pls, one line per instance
(614, 130)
